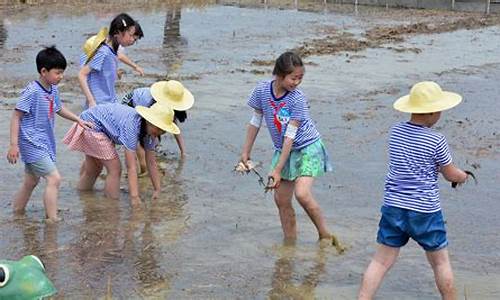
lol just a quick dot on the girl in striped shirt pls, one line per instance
(299, 152)
(99, 71)
(115, 123)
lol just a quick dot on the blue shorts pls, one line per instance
(40, 168)
(397, 225)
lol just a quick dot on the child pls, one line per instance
(98, 74)
(171, 93)
(125, 59)
(299, 152)
(411, 199)
(119, 124)
(32, 131)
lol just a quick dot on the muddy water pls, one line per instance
(216, 235)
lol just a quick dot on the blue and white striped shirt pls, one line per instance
(121, 123)
(277, 112)
(102, 78)
(415, 155)
(139, 96)
(36, 130)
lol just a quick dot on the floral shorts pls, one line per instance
(310, 161)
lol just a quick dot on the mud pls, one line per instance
(216, 235)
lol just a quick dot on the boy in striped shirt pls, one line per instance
(411, 207)
(32, 131)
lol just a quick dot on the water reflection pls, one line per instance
(174, 45)
(288, 268)
(3, 34)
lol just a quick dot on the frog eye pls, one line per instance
(39, 261)
(4, 275)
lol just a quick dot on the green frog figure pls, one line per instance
(24, 279)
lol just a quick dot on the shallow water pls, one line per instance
(216, 235)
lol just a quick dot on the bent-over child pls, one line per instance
(117, 124)
(171, 93)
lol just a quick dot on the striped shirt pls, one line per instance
(121, 123)
(139, 96)
(415, 155)
(36, 130)
(102, 78)
(278, 112)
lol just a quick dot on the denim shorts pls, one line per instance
(40, 168)
(397, 225)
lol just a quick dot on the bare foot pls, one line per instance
(335, 242)
(53, 220)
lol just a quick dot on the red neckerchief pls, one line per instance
(276, 109)
(51, 105)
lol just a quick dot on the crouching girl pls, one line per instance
(116, 124)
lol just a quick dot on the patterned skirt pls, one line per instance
(310, 161)
(90, 142)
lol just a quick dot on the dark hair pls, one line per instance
(138, 31)
(50, 58)
(180, 115)
(286, 63)
(143, 132)
(120, 23)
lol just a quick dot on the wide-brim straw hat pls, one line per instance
(427, 97)
(159, 115)
(172, 93)
(92, 43)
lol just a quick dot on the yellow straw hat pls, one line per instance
(427, 97)
(159, 115)
(172, 93)
(92, 43)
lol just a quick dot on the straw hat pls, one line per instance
(92, 43)
(427, 97)
(160, 116)
(172, 93)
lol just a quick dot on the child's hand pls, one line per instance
(156, 194)
(139, 70)
(13, 154)
(119, 73)
(273, 181)
(85, 124)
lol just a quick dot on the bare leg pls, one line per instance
(23, 195)
(283, 199)
(50, 195)
(91, 168)
(304, 195)
(381, 262)
(141, 157)
(112, 185)
(443, 274)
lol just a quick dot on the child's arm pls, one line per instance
(124, 59)
(453, 174)
(13, 153)
(133, 185)
(154, 174)
(82, 79)
(285, 153)
(69, 115)
(252, 131)
(180, 143)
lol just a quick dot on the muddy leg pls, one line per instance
(381, 262)
(443, 274)
(304, 195)
(283, 199)
(50, 195)
(23, 195)
(91, 168)
(112, 185)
